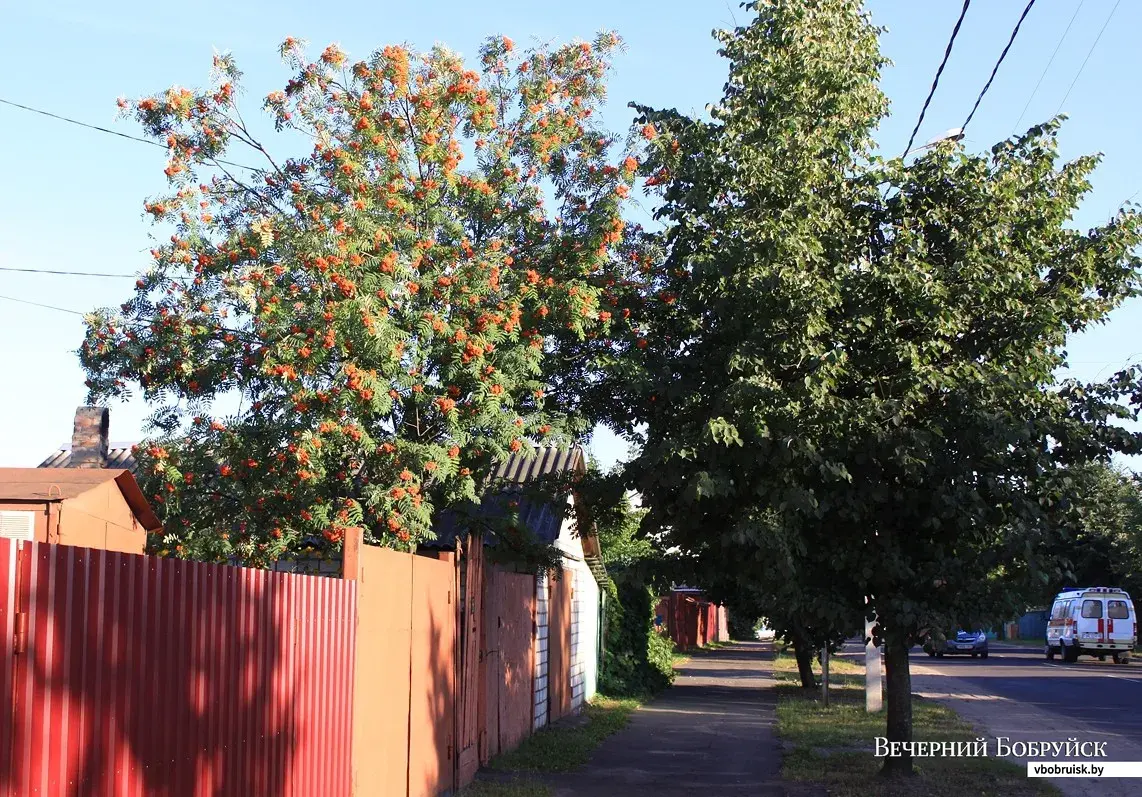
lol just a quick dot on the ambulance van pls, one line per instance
(1095, 621)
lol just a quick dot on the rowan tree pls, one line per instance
(861, 353)
(381, 305)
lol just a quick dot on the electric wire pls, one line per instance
(1051, 60)
(1002, 55)
(68, 273)
(39, 304)
(1090, 52)
(106, 130)
(936, 81)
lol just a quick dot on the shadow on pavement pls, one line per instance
(711, 733)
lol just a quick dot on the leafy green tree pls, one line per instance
(385, 306)
(867, 348)
(760, 568)
(1101, 536)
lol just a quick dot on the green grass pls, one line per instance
(786, 666)
(513, 788)
(834, 746)
(567, 747)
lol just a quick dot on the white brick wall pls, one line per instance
(540, 689)
(584, 633)
(584, 626)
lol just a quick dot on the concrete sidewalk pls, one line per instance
(712, 733)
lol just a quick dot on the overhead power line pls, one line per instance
(1088, 55)
(936, 81)
(127, 136)
(68, 273)
(236, 332)
(1050, 61)
(1002, 55)
(45, 306)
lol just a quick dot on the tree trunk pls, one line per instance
(899, 682)
(804, 655)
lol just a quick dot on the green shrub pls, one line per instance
(637, 661)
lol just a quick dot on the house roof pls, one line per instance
(119, 456)
(542, 518)
(60, 484)
(546, 461)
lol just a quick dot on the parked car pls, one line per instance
(962, 643)
(1095, 621)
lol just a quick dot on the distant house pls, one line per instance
(88, 507)
(82, 495)
(690, 619)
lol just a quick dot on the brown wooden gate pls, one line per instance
(559, 645)
(508, 661)
(471, 632)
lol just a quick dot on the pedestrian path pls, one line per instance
(712, 733)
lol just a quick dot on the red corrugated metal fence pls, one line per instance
(143, 676)
(135, 676)
(7, 656)
(691, 621)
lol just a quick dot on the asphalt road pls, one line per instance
(1098, 694)
(1016, 693)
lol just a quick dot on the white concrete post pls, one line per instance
(873, 696)
(825, 675)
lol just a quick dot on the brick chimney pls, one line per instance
(89, 439)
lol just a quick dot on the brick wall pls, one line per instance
(540, 690)
(584, 633)
(89, 438)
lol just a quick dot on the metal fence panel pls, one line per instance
(471, 629)
(508, 661)
(381, 699)
(8, 569)
(146, 676)
(433, 677)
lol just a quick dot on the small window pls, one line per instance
(1092, 609)
(1117, 610)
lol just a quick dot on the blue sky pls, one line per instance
(72, 198)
